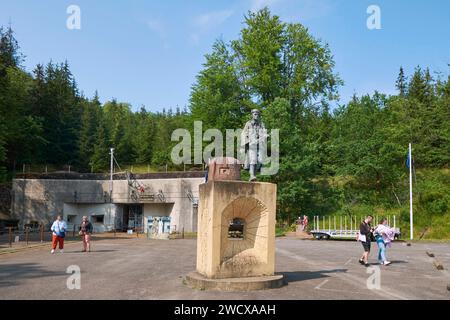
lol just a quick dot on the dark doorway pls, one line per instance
(133, 217)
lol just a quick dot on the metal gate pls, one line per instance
(135, 217)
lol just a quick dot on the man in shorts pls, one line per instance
(365, 235)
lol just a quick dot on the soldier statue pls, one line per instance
(253, 144)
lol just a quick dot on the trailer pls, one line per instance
(334, 234)
(330, 231)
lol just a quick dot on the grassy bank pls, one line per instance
(431, 205)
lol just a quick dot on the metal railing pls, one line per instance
(344, 227)
(27, 168)
(14, 237)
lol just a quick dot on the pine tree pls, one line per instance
(401, 83)
(22, 131)
(61, 110)
(100, 157)
(9, 51)
(417, 86)
(89, 125)
(145, 137)
(2, 151)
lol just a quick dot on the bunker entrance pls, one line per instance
(133, 218)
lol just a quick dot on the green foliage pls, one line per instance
(361, 146)
(120, 126)
(350, 160)
(401, 83)
(143, 138)
(23, 131)
(259, 54)
(281, 69)
(433, 191)
(218, 98)
(100, 159)
(90, 118)
(10, 55)
(2, 153)
(421, 117)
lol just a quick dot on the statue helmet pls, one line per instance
(256, 110)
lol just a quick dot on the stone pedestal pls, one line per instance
(224, 258)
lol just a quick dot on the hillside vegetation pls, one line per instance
(334, 158)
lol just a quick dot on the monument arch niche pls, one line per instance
(240, 256)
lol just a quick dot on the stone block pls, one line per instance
(249, 206)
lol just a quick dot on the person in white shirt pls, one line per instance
(59, 232)
(384, 235)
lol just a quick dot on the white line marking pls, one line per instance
(369, 293)
(321, 284)
(359, 282)
(291, 255)
(354, 280)
(349, 260)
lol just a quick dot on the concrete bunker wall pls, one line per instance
(73, 213)
(41, 200)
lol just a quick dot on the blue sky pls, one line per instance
(148, 52)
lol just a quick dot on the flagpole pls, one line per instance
(410, 194)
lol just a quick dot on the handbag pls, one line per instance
(61, 234)
(361, 237)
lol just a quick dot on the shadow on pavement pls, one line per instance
(308, 275)
(12, 274)
(92, 251)
(398, 261)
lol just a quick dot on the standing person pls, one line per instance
(383, 236)
(58, 229)
(365, 235)
(85, 233)
(305, 222)
(300, 223)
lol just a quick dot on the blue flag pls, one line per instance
(408, 161)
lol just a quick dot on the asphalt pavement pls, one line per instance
(154, 269)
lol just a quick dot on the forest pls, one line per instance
(334, 158)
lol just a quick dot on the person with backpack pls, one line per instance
(85, 233)
(58, 229)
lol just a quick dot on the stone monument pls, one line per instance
(236, 232)
(253, 142)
